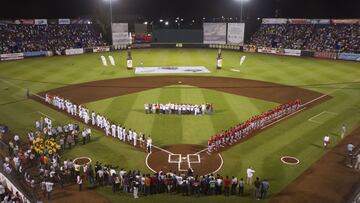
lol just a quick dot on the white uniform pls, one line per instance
(118, 128)
(134, 137)
(113, 130)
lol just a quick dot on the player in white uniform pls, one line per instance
(113, 130)
(326, 141)
(134, 138)
(130, 135)
(149, 144)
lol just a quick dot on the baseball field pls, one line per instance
(330, 88)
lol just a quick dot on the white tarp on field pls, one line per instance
(171, 69)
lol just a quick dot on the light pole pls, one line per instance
(111, 18)
(241, 8)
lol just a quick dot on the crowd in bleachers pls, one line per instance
(15, 38)
(323, 38)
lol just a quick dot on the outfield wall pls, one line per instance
(245, 48)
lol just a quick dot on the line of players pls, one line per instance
(117, 131)
(181, 109)
(234, 134)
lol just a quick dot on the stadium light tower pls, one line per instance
(241, 8)
(111, 16)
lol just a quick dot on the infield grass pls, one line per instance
(229, 110)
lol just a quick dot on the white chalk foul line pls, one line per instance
(314, 100)
(164, 150)
(270, 124)
(201, 151)
(221, 165)
(312, 119)
(41, 113)
(329, 93)
(147, 164)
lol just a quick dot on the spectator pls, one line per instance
(241, 187)
(49, 188)
(22, 38)
(264, 188)
(79, 182)
(321, 38)
(257, 185)
(357, 163)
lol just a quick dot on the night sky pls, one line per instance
(152, 9)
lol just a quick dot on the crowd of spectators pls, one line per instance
(39, 165)
(15, 38)
(43, 171)
(323, 38)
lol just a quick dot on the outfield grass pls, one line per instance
(296, 136)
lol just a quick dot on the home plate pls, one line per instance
(235, 70)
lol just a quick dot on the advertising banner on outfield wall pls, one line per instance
(13, 56)
(349, 56)
(74, 51)
(40, 21)
(249, 48)
(101, 49)
(274, 21)
(292, 52)
(235, 33)
(345, 21)
(214, 33)
(145, 45)
(307, 53)
(64, 21)
(27, 21)
(326, 55)
(37, 53)
(267, 50)
(318, 21)
(297, 21)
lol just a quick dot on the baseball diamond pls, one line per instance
(180, 157)
(184, 101)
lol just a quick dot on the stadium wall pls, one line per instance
(245, 48)
(177, 35)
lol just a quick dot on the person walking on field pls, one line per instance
(79, 182)
(250, 173)
(343, 131)
(241, 186)
(257, 186)
(350, 147)
(357, 164)
(326, 141)
(264, 188)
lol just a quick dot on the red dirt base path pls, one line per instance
(103, 89)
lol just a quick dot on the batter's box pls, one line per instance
(174, 158)
(193, 158)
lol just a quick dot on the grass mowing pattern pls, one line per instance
(296, 136)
